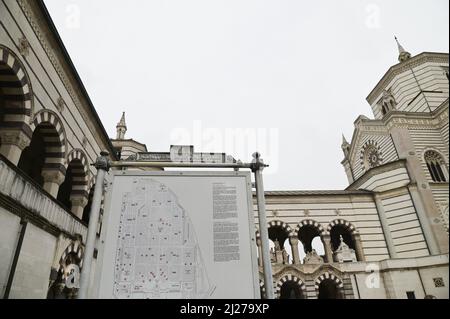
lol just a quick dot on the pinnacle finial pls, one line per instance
(403, 54)
(121, 127)
(122, 120)
(344, 140)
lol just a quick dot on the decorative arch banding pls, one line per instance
(282, 225)
(54, 138)
(289, 278)
(331, 276)
(309, 222)
(342, 222)
(77, 249)
(277, 223)
(80, 172)
(16, 93)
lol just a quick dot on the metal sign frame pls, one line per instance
(103, 165)
(250, 213)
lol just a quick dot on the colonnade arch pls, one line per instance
(310, 238)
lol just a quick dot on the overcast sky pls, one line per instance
(294, 74)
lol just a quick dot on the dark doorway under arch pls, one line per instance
(328, 289)
(32, 158)
(336, 232)
(291, 290)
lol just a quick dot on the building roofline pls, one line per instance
(375, 171)
(398, 68)
(129, 140)
(317, 193)
(77, 77)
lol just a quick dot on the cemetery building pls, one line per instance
(384, 236)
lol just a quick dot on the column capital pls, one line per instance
(53, 176)
(293, 240)
(15, 137)
(79, 200)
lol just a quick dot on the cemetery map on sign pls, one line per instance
(158, 256)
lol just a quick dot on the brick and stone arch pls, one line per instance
(309, 232)
(75, 250)
(279, 231)
(71, 258)
(329, 286)
(54, 136)
(16, 106)
(307, 223)
(281, 226)
(73, 192)
(45, 158)
(290, 287)
(343, 223)
(350, 235)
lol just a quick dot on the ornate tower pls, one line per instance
(121, 128)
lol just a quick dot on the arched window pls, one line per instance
(278, 237)
(387, 102)
(436, 166)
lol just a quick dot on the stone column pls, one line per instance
(78, 205)
(260, 258)
(358, 247)
(326, 239)
(424, 220)
(12, 145)
(294, 246)
(385, 226)
(52, 180)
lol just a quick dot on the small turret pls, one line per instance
(403, 54)
(121, 128)
(345, 146)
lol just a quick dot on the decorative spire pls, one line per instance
(403, 54)
(345, 146)
(121, 128)
(344, 141)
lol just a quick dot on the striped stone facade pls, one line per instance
(42, 103)
(395, 210)
(392, 221)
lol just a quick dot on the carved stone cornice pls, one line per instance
(376, 171)
(36, 19)
(434, 120)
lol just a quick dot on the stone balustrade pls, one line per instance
(15, 185)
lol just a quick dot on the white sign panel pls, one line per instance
(178, 235)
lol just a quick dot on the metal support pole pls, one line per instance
(23, 229)
(258, 166)
(102, 166)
